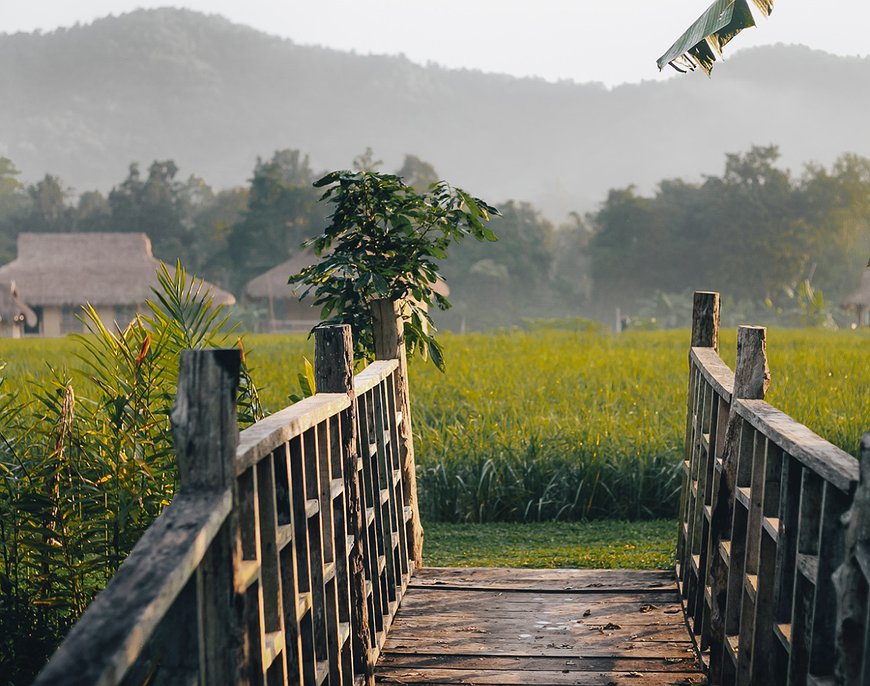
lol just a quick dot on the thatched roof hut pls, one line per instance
(95, 268)
(14, 314)
(285, 310)
(57, 273)
(859, 300)
(273, 283)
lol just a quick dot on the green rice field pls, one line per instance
(548, 424)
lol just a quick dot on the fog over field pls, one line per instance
(84, 102)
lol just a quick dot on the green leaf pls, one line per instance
(384, 238)
(306, 380)
(706, 37)
(436, 354)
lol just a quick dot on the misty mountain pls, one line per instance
(86, 101)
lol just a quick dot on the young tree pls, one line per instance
(13, 204)
(417, 173)
(160, 206)
(279, 215)
(384, 240)
(48, 209)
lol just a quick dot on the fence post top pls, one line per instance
(227, 359)
(203, 418)
(751, 373)
(387, 329)
(333, 359)
(330, 326)
(705, 320)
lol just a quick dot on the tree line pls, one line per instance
(757, 233)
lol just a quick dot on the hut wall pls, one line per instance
(10, 330)
(50, 324)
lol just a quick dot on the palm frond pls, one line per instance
(703, 41)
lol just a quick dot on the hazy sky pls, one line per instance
(612, 41)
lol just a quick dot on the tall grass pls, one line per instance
(565, 425)
(546, 423)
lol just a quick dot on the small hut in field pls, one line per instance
(14, 314)
(284, 310)
(281, 300)
(58, 273)
(859, 300)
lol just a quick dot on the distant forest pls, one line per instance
(770, 241)
(163, 84)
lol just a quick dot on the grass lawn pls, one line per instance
(601, 544)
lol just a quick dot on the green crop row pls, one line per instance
(548, 424)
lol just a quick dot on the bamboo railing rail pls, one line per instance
(287, 549)
(761, 532)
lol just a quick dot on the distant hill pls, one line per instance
(83, 102)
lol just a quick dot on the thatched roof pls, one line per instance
(860, 297)
(273, 283)
(11, 307)
(97, 268)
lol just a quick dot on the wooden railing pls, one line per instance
(774, 589)
(288, 547)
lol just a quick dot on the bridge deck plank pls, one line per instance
(514, 626)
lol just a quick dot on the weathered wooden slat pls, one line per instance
(468, 631)
(823, 656)
(662, 616)
(530, 664)
(627, 601)
(482, 675)
(828, 461)
(373, 374)
(561, 648)
(388, 332)
(543, 579)
(272, 620)
(262, 438)
(851, 581)
(521, 631)
(111, 633)
(715, 371)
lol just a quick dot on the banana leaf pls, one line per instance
(704, 40)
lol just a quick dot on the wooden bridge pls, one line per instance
(292, 552)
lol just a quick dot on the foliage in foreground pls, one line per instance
(87, 463)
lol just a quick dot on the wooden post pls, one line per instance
(705, 334)
(751, 374)
(388, 328)
(206, 435)
(853, 632)
(751, 381)
(705, 320)
(333, 373)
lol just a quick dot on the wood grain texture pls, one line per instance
(714, 370)
(827, 460)
(262, 438)
(850, 583)
(109, 636)
(373, 374)
(705, 320)
(518, 626)
(388, 328)
(335, 349)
